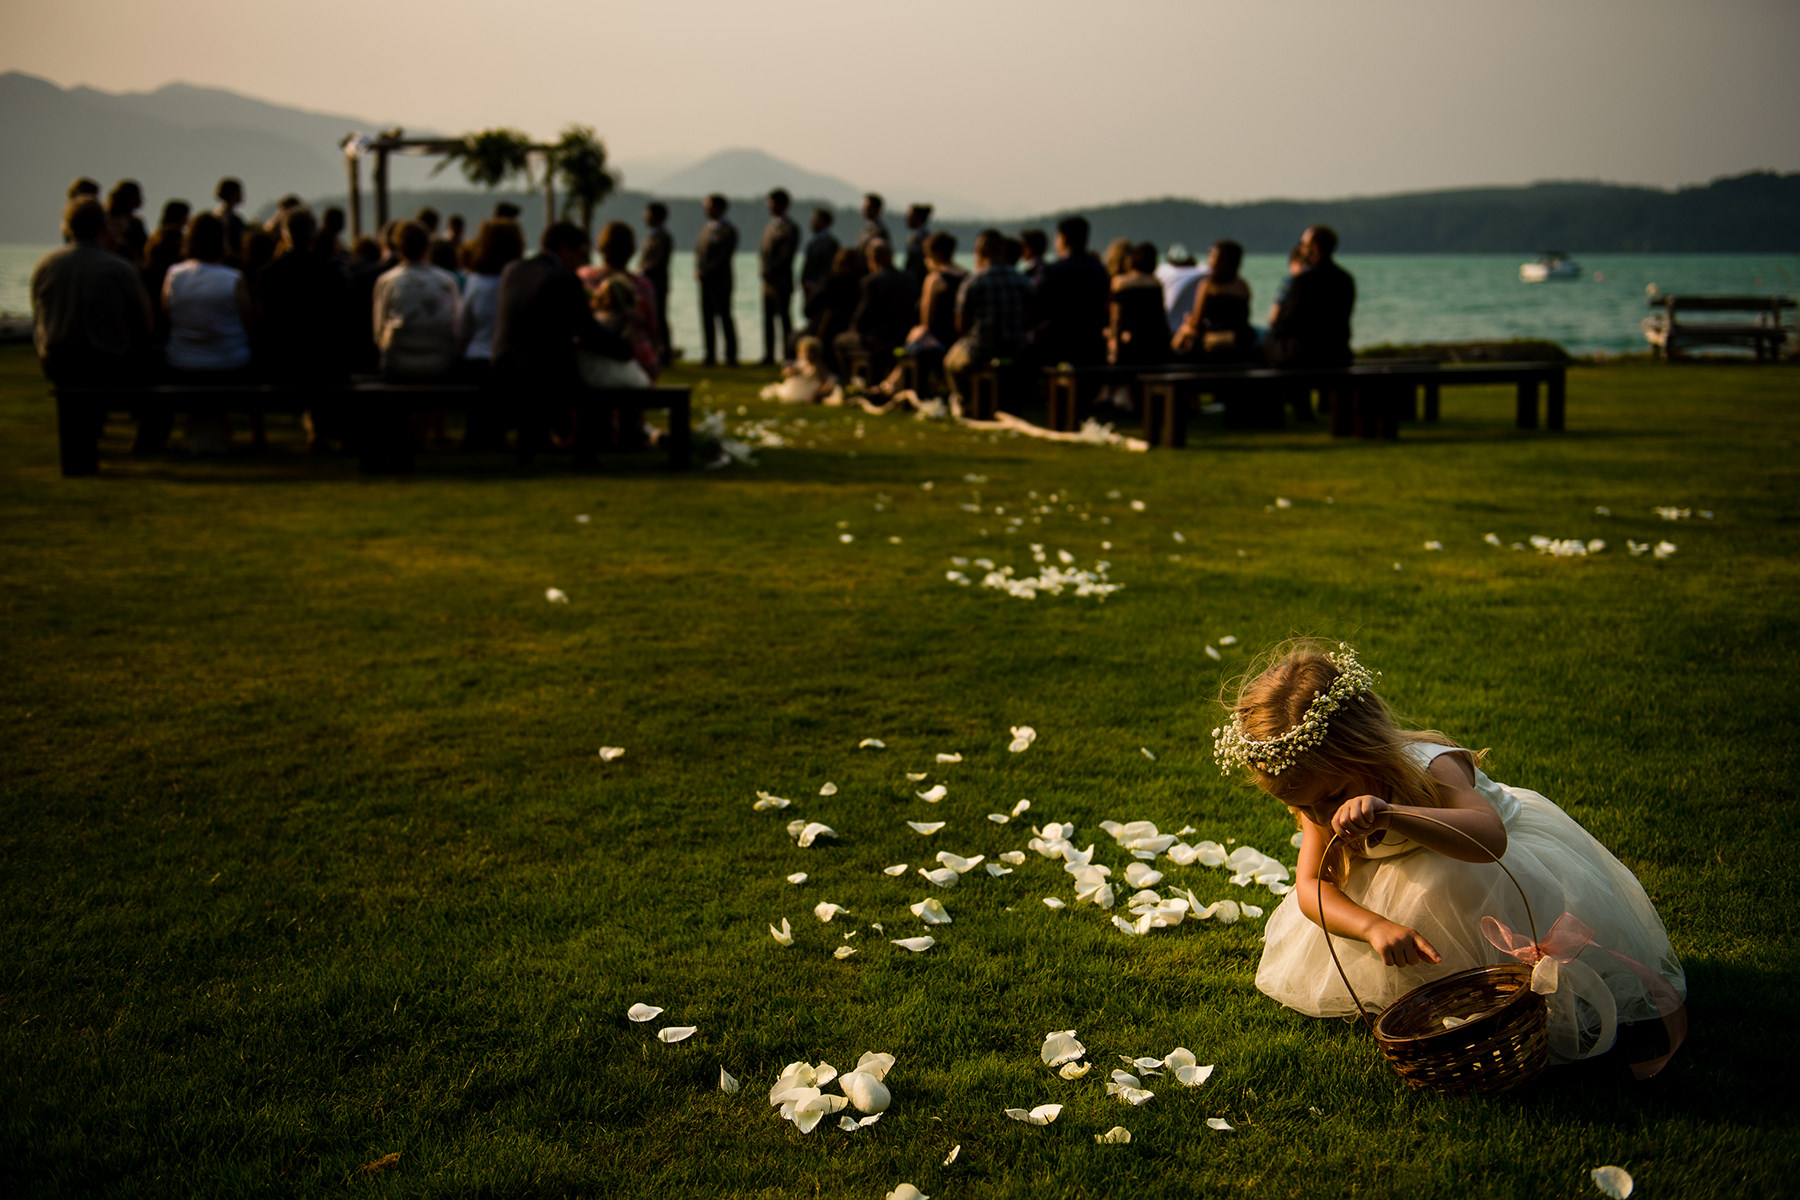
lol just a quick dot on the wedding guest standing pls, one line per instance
(1032, 246)
(780, 242)
(90, 315)
(918, 229)
(712, 267)
(821, 249)
(162, 252)
(873, 230)
(230, 194)
(653, 264)
(125, 229)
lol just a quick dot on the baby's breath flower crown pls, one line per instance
(1277, 754)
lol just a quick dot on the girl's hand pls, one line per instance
(1360, 816)
(1400, 946)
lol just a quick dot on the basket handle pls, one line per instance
(1319, 902)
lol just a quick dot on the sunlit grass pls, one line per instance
(310, 858)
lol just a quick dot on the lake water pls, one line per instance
(1400, 297)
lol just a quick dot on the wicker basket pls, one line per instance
(1501, 1043)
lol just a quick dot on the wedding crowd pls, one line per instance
(209, 297)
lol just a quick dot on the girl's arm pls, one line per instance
(1462, 808)
(1397, 945)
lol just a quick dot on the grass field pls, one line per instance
(310, 859)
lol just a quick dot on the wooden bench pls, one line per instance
(1367, 399)
(1763, 333)
(376, 414)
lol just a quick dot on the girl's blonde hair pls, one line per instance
(1362, 741)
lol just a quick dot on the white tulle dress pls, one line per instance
(1560, 866)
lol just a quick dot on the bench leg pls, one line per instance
(681, 438)
(78, 437)
(1554, 388)
(1431, 401)
(1344, 401)
(1528, 406)
(1062, 403)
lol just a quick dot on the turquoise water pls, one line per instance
(1401, 297)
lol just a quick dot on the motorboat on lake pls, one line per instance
(1554, 264)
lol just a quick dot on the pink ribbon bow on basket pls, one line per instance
(1567, 938)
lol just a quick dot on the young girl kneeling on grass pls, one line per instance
(1410, 900)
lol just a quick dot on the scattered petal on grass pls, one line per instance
(644, 1012)
(609, 753)
(1053, 902)
(1434, 545)
(1118, 1135)
(955, 1151)
(1613, 1181)
(676, 1033)
(907, 1191)
(797, 878)
(581, 518)
(996, 870)
(1212, 652)
(726, 1082)
(1022, 737)
(926, 827)
(813, 832)
(866, 1092)
(1145, 751)
(784, 935)
(556, 596)
(1043, 1114)
(1061, 1047)
(931, 911)
(933, 795)
(1018, 810)
(871, 744)
(915, 944)
(765, 802)
(949, 758)
(1074, 1070)
(1220, 1124)
(998, 818)
(958, 863)
(1193, 1076)
(896, 869)
(825, 910)
(941, 876)
(1492, 539)
(917, 776)
(1228, 640)
(843, 952)
(830, 789)
(1664, 549)
(876, 1063)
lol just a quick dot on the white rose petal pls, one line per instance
(1613, 1181)
(875, 1063)
(931, 911)
(996, 870)
(1061, 1047)
(644, 1012)
(959, 864)
(1043, 1114)
(797, 878)
(1118, 1135)
(896, 869)
(813, 832)
(825, 910)
(941, 876)
(866, 1093)
(917, 776)
(926, 827)
(784, 935)
(871, 744)
(677, 1033)
(1013, 858)
(907, 1191)
(1053, 902)
(726, 1082)
(1018, 810)
(934, 795)
(1074, 1070)
(830, 789)
(915, 944)
(1219, 1123)
(1212, 652)
(843, 952)
(1193, 1076)
(556, 596)
(955, 1151)
(609, 753)
(1228, 640)
(998, 818)
(949, 758)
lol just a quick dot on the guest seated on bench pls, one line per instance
(990, 312)
(1137, 332)
(1311, 328)
(1217, 329)
(415, 309)
(1071, 302)
(208, 306)
(829, 309)
(884, 312)
(297, 334)
(927, 341)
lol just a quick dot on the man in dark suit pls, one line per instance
(873, 230)
(780, 242)
(543, 316)
(1072, 302)
(918, 232)
(1311, 327)
(884, 313)
(712, 267)
(821, 248)
(653, 264)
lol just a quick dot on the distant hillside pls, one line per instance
(751, 173)
(178, 141)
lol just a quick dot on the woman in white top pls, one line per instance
(416, 312)
(497, 243)
(207, 303)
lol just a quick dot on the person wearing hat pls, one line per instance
(1180, 277)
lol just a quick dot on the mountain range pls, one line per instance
(180, 139)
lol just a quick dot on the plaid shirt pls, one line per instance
(990, 309)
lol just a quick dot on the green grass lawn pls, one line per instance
(309, 858)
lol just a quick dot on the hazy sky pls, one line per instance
(1017, 104)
